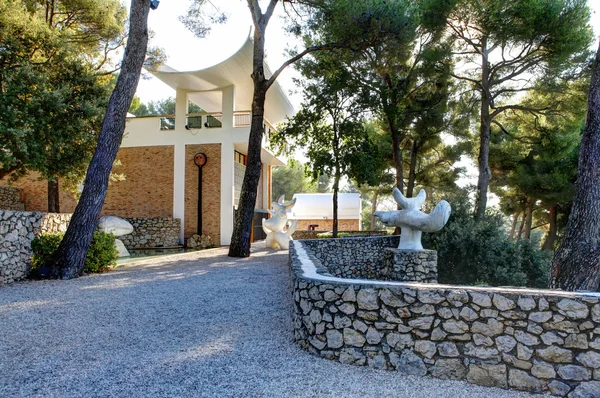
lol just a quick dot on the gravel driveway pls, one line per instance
(192, 325)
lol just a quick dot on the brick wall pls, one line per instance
(35, 193)
(211, 191)
(146, 192)
(148, 187)
(327, 225)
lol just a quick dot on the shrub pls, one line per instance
(101, 255)
(43, 247)
(472, 252)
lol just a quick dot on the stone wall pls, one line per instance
(535, 340)
(17, 230)
(352, 257)
(327, 225)
(152, 232)
(10, 198)
(299, 234)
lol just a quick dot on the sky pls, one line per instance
(186, 52)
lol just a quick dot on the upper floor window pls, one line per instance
(240, 158)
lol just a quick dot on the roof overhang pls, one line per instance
(204, 86)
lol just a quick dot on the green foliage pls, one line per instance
(291, 179)
(159, 107)
(43, 247)
(101, 256)
(54, 92)
(471, 252)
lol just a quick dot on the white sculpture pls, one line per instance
(274, 227)
(118, 227)
(412, 221)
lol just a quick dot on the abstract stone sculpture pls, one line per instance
(412, 221)
(118, 227)
(277, 237)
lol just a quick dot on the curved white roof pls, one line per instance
(319, 206)
(205, 84)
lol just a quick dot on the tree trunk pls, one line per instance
(528, 219)
(513, 229)
(522, 226)
(551, 236)
(68, 261)
(374, 208)
(336, 188)
(53, 196)
(412, 172)
(484, 138)
(397, 157)
(242, 228)
(575, 265)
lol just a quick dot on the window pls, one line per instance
(240, 158)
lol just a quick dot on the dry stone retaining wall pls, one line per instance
(535, 340)
(10, 198)
(352, 257)
(303, 234)
(152, 232)
(17, 230)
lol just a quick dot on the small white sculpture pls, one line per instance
(274, 227)
(118, 227)
(412, 221)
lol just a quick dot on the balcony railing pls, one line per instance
(242, 119)
(167, 123)
(213, 120)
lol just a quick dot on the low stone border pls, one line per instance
(149, 232)
(303, 234)
(526, 339)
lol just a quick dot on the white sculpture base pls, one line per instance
(123, 252)
(118, 227)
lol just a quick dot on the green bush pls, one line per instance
(43, 247)
(101, 255)
(481, 253)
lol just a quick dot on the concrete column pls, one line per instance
(179, 187)
(181, 108)
(227, 150)
(228, 107)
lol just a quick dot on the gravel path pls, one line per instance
(193, 325)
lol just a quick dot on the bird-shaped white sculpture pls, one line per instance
(274, 227)
(412, 221)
